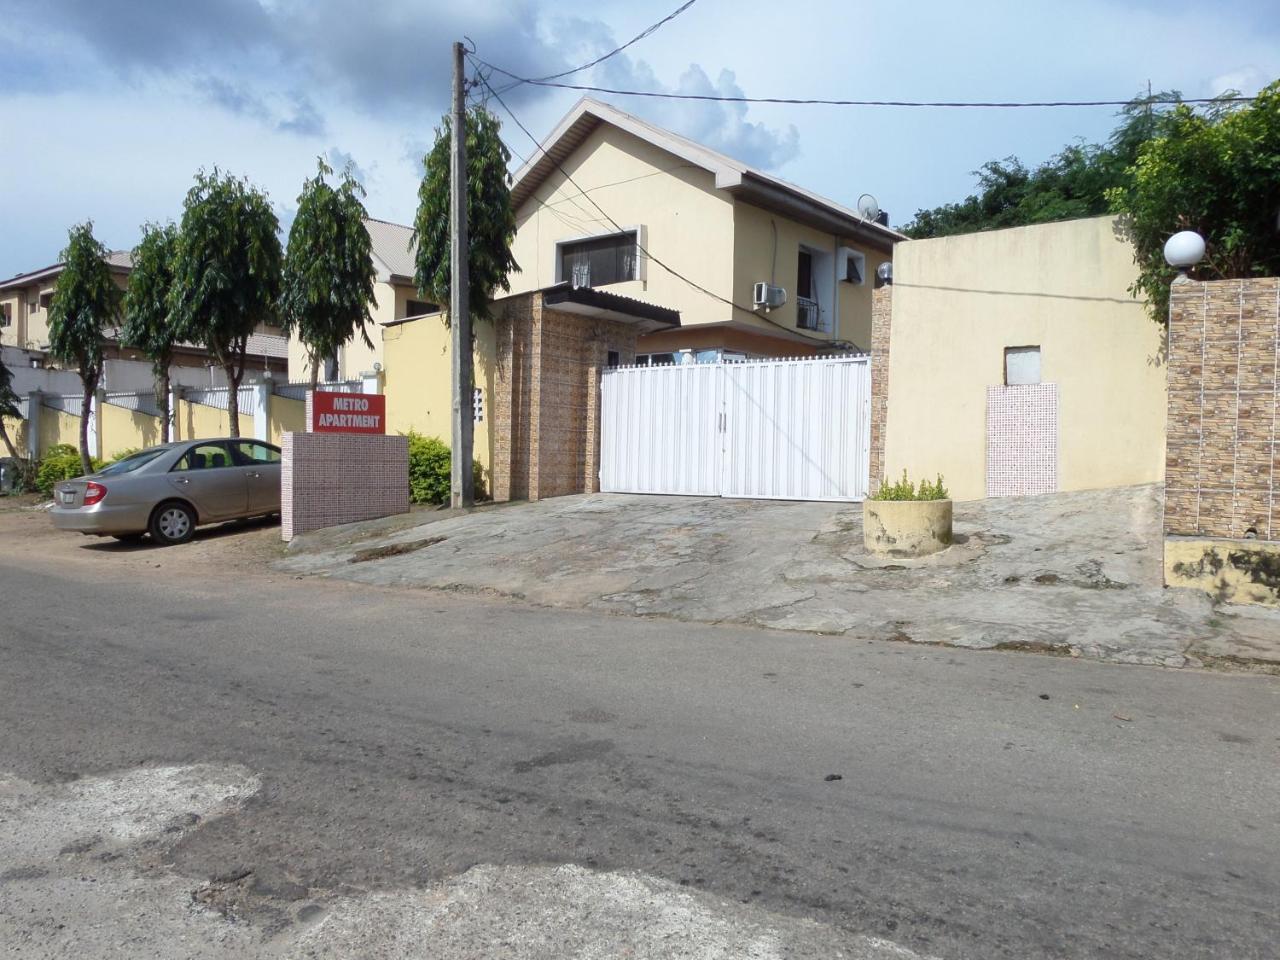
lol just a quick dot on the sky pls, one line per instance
(108, 109)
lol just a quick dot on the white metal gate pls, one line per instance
(772, 429)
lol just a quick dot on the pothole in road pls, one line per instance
(75, 817)
(393, 549)
(78, 903)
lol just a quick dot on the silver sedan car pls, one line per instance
(167, 491)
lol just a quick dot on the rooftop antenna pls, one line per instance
(868, 207)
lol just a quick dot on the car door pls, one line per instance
(261, 465)
(207, 474)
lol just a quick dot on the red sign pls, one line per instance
(348, 412)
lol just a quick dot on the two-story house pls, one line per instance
(24, 325)
(614, 202)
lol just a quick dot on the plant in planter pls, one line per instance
(906, 520)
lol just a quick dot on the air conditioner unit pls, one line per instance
(768, 296)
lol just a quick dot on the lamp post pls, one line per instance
(1184, 250)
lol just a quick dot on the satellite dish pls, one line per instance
(868, 207)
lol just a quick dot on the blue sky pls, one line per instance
(109, 108)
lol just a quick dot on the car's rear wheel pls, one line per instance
(172, 522)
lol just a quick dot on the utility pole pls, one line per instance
(461, 479)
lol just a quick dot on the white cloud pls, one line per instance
(118, 128)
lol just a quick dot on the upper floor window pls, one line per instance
(599, 260)
(46, 300)
(804, 282)
(419, 308)
(6, 317)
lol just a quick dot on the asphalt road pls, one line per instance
(989, 804)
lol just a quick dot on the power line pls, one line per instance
(599, 60)
(819, 101)
(617, 226)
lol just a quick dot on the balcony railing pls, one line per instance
(808, 314)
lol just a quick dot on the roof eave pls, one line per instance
(777, 198)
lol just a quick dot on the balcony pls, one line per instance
(809, 315)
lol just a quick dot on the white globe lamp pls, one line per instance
(1184, 249)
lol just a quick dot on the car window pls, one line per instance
(130, 463)
(205, 456)
(251, 452)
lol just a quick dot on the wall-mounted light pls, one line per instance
(1184, 250)
(884, 273)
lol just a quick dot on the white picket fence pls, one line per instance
(772, 429)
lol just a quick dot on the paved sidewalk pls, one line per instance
(1075, 574)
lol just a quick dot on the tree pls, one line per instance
(491, 221)
(1214, 171)
(86, 301)
(1073, 183)
(226, 272)
(148, 320)
(328, 268)
(8, 406)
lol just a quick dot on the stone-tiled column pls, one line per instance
(1222, 465)
(881, 321)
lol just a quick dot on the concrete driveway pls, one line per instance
(1076, 574)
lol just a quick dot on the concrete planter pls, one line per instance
(906, 528)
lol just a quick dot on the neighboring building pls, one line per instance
(1017, 362)
(395, 298)
(699, 232)
(24, 325)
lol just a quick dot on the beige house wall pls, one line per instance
(687, 223)
(767, 246)
(356, 357)
(120, 429)
(194, 421)
(958, 302)
(419, 384)
(57, 427)
(16, 428)
(15, 303)
(285, 415)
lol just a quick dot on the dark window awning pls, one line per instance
(590, 302)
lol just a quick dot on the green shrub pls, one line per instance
(60, 462)
(429, 464)
(904, 489)
(121, 454)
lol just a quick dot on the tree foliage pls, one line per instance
(148, 319)
(8, 399)
(1073, 183)
(8, 406)
(86, 301)
(328, 267)
(1214, 171)
(491, 221)
(226, 274)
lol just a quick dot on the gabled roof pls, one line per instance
(118, 261)
(393, 250)
(736, 178)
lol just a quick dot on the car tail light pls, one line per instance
(93, 493)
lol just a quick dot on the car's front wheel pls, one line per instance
(172, 523)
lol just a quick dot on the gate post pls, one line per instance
(33, 425)
(262, 413)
